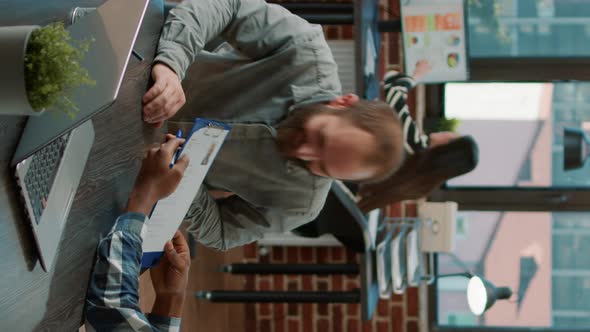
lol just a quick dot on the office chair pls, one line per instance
(339, 217)
(344, 219)
(422, 173)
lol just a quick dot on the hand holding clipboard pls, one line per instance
(202, 145)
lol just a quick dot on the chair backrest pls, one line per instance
(421, 173)
(342, 218)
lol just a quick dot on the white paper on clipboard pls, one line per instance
(202, 146)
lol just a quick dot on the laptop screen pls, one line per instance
(113, 27)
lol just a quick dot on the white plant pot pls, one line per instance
(13, 93)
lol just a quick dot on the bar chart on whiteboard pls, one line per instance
(434, 32)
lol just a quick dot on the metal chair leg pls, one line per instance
(353, 296)
(319, 269)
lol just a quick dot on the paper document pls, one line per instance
(373, 221)
(414, 259)
(201, 145)
(383, 257)
(398, 261)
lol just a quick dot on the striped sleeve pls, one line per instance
(112, 298)
(396, 88)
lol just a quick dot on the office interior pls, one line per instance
(520, 220)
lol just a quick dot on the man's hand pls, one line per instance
(423, 67)
(170, 277)
(164, 98)
(441, 138)
(156, 180)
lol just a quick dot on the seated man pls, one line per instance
(293, 131)
(112, 299)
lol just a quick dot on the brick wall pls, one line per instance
(399, 314)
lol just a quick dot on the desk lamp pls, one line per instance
(481, 293)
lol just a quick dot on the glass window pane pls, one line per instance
(529, 28)
(541, 256)
(519, 129)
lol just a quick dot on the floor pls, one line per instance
(205, 316)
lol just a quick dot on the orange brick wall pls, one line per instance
(399, 314)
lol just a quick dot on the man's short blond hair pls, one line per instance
(380, 121)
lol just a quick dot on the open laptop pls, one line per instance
(53, 149)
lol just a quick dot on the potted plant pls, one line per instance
(436, 124)
(448, 124)
(39, 66)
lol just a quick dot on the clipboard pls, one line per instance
(202, 145)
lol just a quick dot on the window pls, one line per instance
(529, 28)
(461, 318)
(518, 226)
(538, 252)
(525, 173)
(525, 221)
(541, 256)
(516, 40)
(461, 226)
(519, 129)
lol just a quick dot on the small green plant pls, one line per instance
(52, 68)
(445, 124)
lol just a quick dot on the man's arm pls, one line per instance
(233, 222)
(253, 27)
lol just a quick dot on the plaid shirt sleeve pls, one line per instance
(112, 298)
(396, 88)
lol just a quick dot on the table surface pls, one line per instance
(31, 299)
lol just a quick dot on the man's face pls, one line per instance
(329, 145)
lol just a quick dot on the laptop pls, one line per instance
(53, 149)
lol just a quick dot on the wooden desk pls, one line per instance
(31, 299)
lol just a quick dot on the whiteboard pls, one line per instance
(435, 31)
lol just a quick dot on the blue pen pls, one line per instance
(175, 157)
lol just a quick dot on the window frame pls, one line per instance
(508, 198)
(504, 198)
(525, 69)
(435, 327)
(507, 69)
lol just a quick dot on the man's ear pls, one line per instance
(350, 99)
(344, 101)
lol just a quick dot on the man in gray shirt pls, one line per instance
(293, 131)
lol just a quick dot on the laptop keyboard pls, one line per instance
(41, 174)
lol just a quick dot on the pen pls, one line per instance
(137, 55)
(175, 157)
